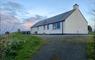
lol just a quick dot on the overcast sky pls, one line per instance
(33, 9)
(53, 7)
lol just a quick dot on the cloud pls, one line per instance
(9, 20)
(10, 7)
(8, 23)
(38, 11)
(12, 23)
(13, 8)
(11, 14)
(32, 20)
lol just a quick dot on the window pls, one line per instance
(48, 26)
(56, 25)
(44, 27)
(38, 27)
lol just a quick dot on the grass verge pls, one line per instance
(91, 47)
(17, 46)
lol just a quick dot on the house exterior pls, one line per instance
(70, 22)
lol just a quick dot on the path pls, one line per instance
(62, 47)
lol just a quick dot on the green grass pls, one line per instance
(91, 33)
(31, 44)
(91, 47)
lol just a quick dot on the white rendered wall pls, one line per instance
(76, 24)
(33, 30)
(41, 30)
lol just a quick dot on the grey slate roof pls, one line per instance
(57, 18)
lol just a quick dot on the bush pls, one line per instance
(11, 49)
(17, 46)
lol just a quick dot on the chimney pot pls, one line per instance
(76, 6)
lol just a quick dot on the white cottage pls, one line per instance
(71, 22)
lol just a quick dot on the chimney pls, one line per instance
(76, 6)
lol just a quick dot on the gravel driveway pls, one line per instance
(61, 47)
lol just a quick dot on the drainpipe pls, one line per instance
(62, 27)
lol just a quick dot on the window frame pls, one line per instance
(56, 25)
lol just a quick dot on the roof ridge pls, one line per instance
(59, 17)
(59, 14)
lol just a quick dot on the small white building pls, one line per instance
(71, 22)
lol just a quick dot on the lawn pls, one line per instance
(91, 47)
(17, 46)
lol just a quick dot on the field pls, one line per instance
(17, 46)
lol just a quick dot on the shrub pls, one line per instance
(11, 49)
